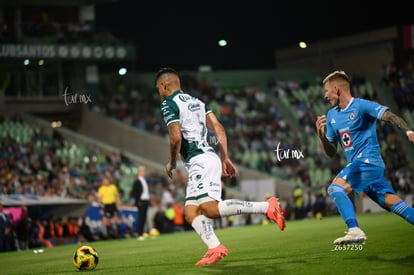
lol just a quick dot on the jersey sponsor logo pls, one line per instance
(184, 98)
(193, 107)
(346, 140)
(215, 184)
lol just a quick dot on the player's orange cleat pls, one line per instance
(213, 255)
(275, 213)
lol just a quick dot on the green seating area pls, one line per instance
(70, 154)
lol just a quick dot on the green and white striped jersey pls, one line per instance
(190, 113)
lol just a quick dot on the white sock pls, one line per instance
(204, 228)
(237, 207)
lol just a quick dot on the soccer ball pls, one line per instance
(85, 258)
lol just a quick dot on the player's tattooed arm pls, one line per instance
(395, 120)
(175, 141)
(329, 147)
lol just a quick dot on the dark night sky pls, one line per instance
(185, 36)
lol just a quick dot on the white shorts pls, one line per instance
(204, 179)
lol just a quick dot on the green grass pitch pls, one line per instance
(305, 247)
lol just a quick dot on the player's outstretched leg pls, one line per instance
(270, 208)
(347, 211)
(213, 255)
(275, 213)
(404, 211)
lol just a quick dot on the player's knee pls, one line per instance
(189, 219)
(190, 213)
(333, 188)
(210, 210)
(389, 200)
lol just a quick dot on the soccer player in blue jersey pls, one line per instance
(188, 120)
(351, 122)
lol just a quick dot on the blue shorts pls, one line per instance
(367, 178)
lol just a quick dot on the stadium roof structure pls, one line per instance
(61, 3)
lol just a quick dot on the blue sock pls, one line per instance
(344, 204)
(404, 211)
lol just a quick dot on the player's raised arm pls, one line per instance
(327, 146)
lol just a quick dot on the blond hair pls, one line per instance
(337, 75)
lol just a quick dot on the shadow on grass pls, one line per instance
(225, 266)
(407, 260)
(231, 268)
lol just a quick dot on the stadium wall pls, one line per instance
(230, 79)
(123, 136)
(360, 53)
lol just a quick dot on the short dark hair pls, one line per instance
(165, 70)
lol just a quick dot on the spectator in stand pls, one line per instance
(124, 228)
(319, 206)
(37, 235)
(58, 227)
(167, 196)
(178, 207)
(161, 222)
(298, 203)
(72, 227)
(5, 231)
(22, 229)
(85, 232)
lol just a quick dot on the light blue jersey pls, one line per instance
(355, 129)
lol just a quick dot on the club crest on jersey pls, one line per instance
(351, 116)
(346, 139)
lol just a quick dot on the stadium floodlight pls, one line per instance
(222, 43)
(122, 71)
